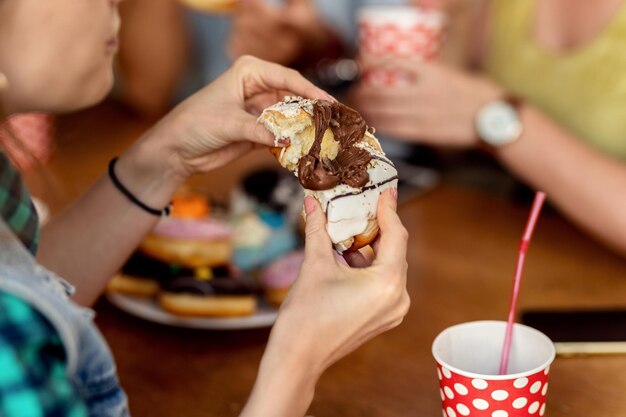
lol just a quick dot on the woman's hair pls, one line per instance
(11, 144)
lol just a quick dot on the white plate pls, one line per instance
(148, 309)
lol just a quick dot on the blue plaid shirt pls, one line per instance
(16, 206)
(33, 379)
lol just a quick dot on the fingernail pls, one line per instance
(282, 142)
(309, 204)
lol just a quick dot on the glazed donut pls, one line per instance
(337, 160)
(189, 242)
(278, 277)
(140, 276)
(219, 297)
(185, 291)
(131, 285)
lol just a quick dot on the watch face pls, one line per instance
(498, 123)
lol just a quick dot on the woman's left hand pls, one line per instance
(215, 125)
(436, 105)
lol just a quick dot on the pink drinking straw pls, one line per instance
(519, 268)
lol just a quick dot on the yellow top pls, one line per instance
(583, 90)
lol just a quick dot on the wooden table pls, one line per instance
(461, 255)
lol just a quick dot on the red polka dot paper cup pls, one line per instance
(468, 359)
(402, 31)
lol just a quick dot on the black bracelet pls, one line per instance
(131, 197)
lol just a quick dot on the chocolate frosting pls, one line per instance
(143, 266)
(178, 279)
(215, 286)
(350, 165)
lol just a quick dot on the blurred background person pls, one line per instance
(547, 102)
(153, 56)
(297, 33)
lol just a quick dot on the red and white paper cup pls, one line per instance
(468, 359)
(401, 31)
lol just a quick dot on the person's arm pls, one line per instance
(330, 311)
(89, 241)
(439, 108)
(589, 187)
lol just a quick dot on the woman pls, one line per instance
(557, 71)
(56, 56)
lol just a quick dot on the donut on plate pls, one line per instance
(190, 236)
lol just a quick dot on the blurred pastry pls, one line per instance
(265, 211)
(217, 295)
(278, 277)
(140, 276)
(190, 237)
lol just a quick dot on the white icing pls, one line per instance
(292, 153)
(370, 148)
(290, 106)
(348, 216)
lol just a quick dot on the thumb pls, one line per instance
(318, 244)
(393, 236)
(251, 130)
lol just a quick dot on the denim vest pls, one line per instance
(90, 364)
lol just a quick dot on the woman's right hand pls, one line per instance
(333, 308)
(436, 106)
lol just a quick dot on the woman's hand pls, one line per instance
(437, 106)
(340, 305)
(281, 34)
(331, 310)
(209, 129)
(213, 127)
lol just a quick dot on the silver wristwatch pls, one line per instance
(498, 123)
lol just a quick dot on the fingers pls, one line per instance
(256, 104)
(393, 235)
(261, 76)
(234, 151)
(318, 245)
(246, 128)
(375, 245)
